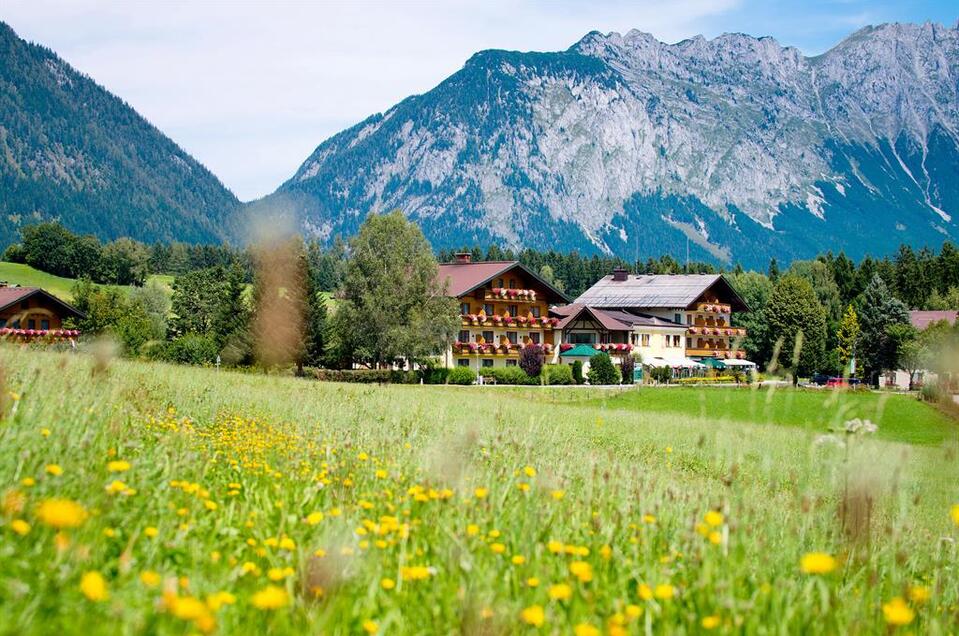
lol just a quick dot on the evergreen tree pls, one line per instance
(773, 269)
(314, 344)
(846, 337)
(602, 371)
(879, 310)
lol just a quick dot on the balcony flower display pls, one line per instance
(513, 294)
(565, 346)
(8, 332)
(548, 348)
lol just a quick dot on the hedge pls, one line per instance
(461, 375)
(508, 375)
(558, 374)
(367, 376)
(719, 379)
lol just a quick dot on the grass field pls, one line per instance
(26, 276)
(145, 498)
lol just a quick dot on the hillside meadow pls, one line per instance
(26, 276)
(146, 498)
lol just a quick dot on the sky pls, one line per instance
(251, 88)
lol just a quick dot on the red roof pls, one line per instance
(922, 319)
(12, 295)
(465, 277)
(572, 312)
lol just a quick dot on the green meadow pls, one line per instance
(26, 276)
(147, 498)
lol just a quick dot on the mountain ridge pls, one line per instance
(72, 151)
(623, 144)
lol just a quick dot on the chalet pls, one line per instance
(503, 307)
(30, 312)
(682, 320)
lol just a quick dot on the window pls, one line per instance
(677, 342)
(512, 283)
(3, 322)
(487, 362)
(511, 336)
(534, 311)
(667, 339)
(464, 336)
(645, 339)
(463, 362)
(513, 310)
(31, 324)
(44, 324)
(689, 343)
(24, 304)
(689, 319)
(581, 338)
(499, 282)
(464, 309)
(488, 336)
(511, 362)
(16, 324)
(488, 309)
(678, 318)
(534, 337)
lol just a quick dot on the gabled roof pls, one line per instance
(12, 295)
(610, 319)
(922, 319)
(466, 277)
(658, 290)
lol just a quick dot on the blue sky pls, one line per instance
(250, 89)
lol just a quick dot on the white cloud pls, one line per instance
(250, 89)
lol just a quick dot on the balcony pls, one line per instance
(714, 308)
(529, 322)
(37, 334)
(489, 349)
(707, 330)
(510, 295)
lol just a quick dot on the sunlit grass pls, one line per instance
(249, 503)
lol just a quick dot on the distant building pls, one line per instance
(31, 312)
(503, 307)
(920, 320)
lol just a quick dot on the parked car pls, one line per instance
(835, 382)
(820, 379)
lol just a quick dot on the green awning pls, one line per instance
(579, 351)
(713, 362)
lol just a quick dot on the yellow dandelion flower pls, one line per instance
(210, 505)
(649, 519)
(286, 543)
(472, 530)
(955, 514)
(187, 608)
(533, 615)
(45, 432)
(919, 594)
(151, 532)
(557, 494)
(896, 612)
(387, 584)
(523, 486)
(633, 611)
(314, 518)
(94, 586)
(664, 591)
(582, 571)
(585, 629)
(481, 493)
(715, 537)
(217, 600)
(710, 622)
(817, 563)
(498, 548)
(53, 469)
(714, 518)
(61, 513)
(116, 486)
(606, 552)
(150, 578)
(118, 466)
(518, 559)
(529, 471)
(13, 503)
(560, 592)
(645, 592)
(28, 481)
(20, 526)
(269, 598)
(414, 572)
(370, 627)
(532, 582)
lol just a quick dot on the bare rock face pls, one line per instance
(738, 147)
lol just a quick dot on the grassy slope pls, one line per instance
(899, 417)
(26, 276)
(778, 491)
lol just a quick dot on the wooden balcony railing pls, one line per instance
(728, 332)
(529, 322)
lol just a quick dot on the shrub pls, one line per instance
(189, 349)
(718, 379)
(554, 374)
(531, 359)
(508, 375)
(578, 371)
(461, 375)
(661, 374)
(626, 368)
(931, 392)
(435, 375)
(601, 370)
(367, 376)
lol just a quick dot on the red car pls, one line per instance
(843, 382)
